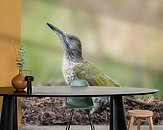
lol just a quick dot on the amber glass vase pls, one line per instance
(18, 81)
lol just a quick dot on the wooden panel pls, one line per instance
(10, 29)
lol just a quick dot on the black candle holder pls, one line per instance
(29, 80)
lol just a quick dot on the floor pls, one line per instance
(82, 127)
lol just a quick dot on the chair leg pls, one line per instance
(150, 121)
(69, 122)
(90, 119)
(138, 123)
(131, 123)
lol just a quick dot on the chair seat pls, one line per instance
(79, 102)
(140, 113)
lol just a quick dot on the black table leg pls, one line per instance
(117, 115)
(9, 113)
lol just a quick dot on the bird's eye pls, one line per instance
(71, 38)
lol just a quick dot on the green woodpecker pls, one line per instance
(75, 67)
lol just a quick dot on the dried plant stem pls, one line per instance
(14, 49)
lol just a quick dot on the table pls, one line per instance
(117, 116)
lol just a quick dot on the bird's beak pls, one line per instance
(56, 30)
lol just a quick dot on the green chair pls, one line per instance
(85, 103)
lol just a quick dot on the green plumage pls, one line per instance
(93, 75)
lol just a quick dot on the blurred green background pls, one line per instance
(125, 39)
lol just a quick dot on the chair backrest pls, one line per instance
(78, 83)
(79, 102)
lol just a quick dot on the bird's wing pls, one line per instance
(93, 75)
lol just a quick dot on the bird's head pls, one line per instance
(71, 44)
